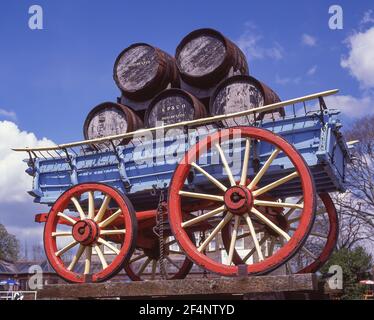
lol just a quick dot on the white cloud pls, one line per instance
(312, 70)
(308, 40)
(8, 114)
(14, 182)
(360, 59)
(351, 106)
(250, 42)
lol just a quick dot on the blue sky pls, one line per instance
(51, 78)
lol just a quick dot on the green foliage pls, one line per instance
(9, 245)
(355, 264)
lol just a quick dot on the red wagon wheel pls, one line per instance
(239, 203)
(145, 264)
(317, 248)
(86, 221)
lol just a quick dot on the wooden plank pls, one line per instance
(186, 287)
(192, 123)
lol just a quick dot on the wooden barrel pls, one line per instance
(173, 106)
(108, 119)
(141, 71)
(239, 93)
(204, 57)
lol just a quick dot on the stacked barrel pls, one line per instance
(208, 76)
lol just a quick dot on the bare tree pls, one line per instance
(356, 206)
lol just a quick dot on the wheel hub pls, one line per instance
(238, 200)
(86, 232)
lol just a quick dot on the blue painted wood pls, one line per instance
(142, 167)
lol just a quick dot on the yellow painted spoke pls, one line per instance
(139, 257)
(108, 245)
(233, 238)
(103, 208)
(201, 196)
(112, 232)
(247, 151)
(275, 184)
(253, 250)
(265, 220)
(91, 205)
(292, 210)
(203, 217)
(67, 218)
(218, 228)
(225, 164)
(277, 204)
(76, 257)
(110, 219)
(62, 234)
(101, 256)
(143, 266)
(79, 208)
(87, 262)
(254, 237)
(66, 248)
(264, 168)
(210, 177)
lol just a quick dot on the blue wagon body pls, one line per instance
(138, 168)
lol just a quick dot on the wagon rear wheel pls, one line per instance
(90, 233)
(267, 165)
(145, 263)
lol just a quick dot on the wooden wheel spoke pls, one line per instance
(67, 218)
(272, 225)
(271, 248)
(139, 257)
(76, 257)
(247, 151)
(210, 177)
(110, 219)
(175, 252)
(277, 204)
(254, 237)
(203, 217)
(225, 164)
(103, 208)
(309, 253)
(101, 256)
(218, 228)
(318, 234)
(66, 248)
(253, 250)
(275, 184)
(201, 196)
(143, 266)
(78, 207)
(154, 268)
(233, 239)
(113, 232)
(108, 245)
(91, 205)
(172, 262)
(291, 221)
(292, 210)
(264, 168)
(244, 235)
(62, 234)
(170, 243)
(87, 262)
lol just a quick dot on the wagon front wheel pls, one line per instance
(259, 171)
(90, 233)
